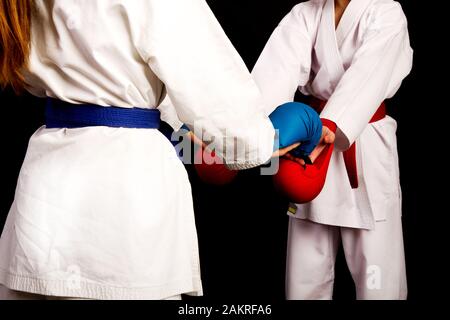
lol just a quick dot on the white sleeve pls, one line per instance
(208, 83)
(169, 114)
(375, 74)
(285, 62)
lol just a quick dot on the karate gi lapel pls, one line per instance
(351, 16)
(329, 41)
(327, 52)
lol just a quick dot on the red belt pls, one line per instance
(350, 154)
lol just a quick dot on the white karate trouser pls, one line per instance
(375, 259)
(8, 294)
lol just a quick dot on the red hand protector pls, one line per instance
(211, 170)
(303, 184)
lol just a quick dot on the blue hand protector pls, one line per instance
(297, 122)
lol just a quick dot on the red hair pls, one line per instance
(15, 37)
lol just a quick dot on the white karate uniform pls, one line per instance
(106, 213)
(354, 67)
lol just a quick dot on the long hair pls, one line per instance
(15, 38)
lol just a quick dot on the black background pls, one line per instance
(243, 227)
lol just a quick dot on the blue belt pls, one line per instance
(60, 114)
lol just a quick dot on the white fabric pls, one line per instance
(375, 259)
(8, 294)
(130, 53)
(12, 295)
(169, 114)
(103, 214)
(355, 68)
(106, 213)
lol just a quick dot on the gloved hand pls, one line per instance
(302, 184)
(297, 122)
